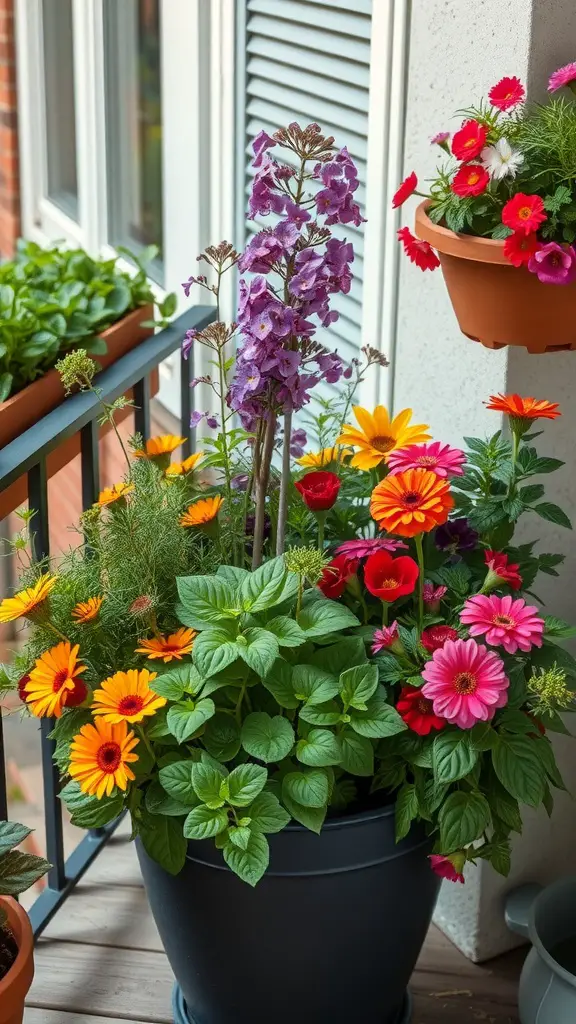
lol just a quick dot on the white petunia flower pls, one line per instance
(501, 160)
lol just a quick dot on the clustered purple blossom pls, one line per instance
(279, 363)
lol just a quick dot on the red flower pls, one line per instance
(405, 190)
(417, 711)
(524, 213)
(420, 253)
(73, 698)
(470, 180)
(503, 570)
(319, 490)
(507, 93)
(436, 636)
(336, 575)
(519, 248)
(444, 867)
(469, 141)
(22, 684)
(390, 578)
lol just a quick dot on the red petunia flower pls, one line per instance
(524, 213)
(444, 866)
(336, 575)
(420, 253)
(319, 490)
(390, 578)
(417, 711)
(500, 570)
(405, 190)
(507, 93)
(469, 141)
(519, 248)
(435, 637)
(470, 180)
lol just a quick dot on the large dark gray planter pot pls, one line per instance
(330, 935)
(548, 983)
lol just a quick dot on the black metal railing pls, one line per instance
(27, 455)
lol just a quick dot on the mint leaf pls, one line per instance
(261, 589)
(357, 753)
(453, 756)
(214, 650)
(258, 648)
(286, 631)
(163, 840)
(205, 822)
(245, 783)
(308, 788)
(184, 719)
(251, 863)
(319, 749)
(519, 768)
(358, 684)
(267, 814)
(313, 685)
(320, 617)
(266, 738)
(177, 780)
(222, 737)
(379, 720)
(206, 601)
(463, 817)
(406, 810)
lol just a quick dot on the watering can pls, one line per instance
(548, 982)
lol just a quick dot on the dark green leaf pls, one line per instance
(553, 514)
(453, 756)
(463, 817)
(320, 617)
(357, 753)
(204, 822)
(379, 719)
(207, 600)
(222, 737)
(308, 788)
(251, 863)
(313, 685)
(213, 651)
(406, 810)
(286, 631)
(278, 682)
(357, 685)
(519, 768)
(258, 648)
(267, 814)
(177, 779)
(310, 817)
(12, 835)
(163, 840)
(245, 783)
(261, 589)
(320, 748)
(186, 718)
(18, 871)
(266, 738)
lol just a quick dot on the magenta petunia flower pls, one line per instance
(435, 456)
(433, 595)
(384, 637)
(364, 548)
(444, 867)
(505, 621)
(554, 264)
(563, 76)
(465, 682)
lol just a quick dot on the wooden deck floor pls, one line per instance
(101, 962)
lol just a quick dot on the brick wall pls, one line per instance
(9, 162)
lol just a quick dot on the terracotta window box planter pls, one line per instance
(15, 985)
(495, 303)
(22, 410)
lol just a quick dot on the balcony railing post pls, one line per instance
(186, 375)
(3, 787)
(90, 460)
(142, 407)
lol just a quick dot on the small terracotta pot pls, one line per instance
(14, 987)
(495, 303)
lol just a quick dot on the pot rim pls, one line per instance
(345, 820)
(451, 243)
(17, 920)
(535, 939)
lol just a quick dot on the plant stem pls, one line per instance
(261, 486)
(385, 609)
(515, 447)
(300, 595)
(321, 520)
(284, 484)
(420, 555)
(238, 709)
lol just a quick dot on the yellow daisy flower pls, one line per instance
(164, 444)
(114, 493)
(100, 756)
(176, 645)
(378, 435)
(54, 683)
(181, 468)
(126, 696)
(201, 512)
(318, 460)
(27, 602)
(86, 611)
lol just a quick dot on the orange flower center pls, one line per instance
(411, 498)
(427, 460)
(524, 212)
(389, 584)
(108, 757)
(504, 620)
(470, 142)
(425, 706)
(169, 648)
(382, 444)
(131, 704)
(60, 678)
(473, 177)
(465, 683)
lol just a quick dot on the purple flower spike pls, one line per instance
(188, 342)
(261, 143)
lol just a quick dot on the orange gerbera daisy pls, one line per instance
(114, 493)
(54, 682)
(156, 447)
(411, 502)
(126, 696)
(86, 611)
(27, 602)
(524, 408)
(181, 468)
(379, 434)
(201, 512)
(176, 645)
(100, 756)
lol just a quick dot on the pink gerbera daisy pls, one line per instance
(505, 621)
(439, 458)
(563, 76)
(364, 548)
(465, 682)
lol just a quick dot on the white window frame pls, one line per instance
(198, 49)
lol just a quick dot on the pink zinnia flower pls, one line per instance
(384, 637)
(554, 264)
(564, 76)
(465, 682)
(433, 595)
(444, 867)
(435, 456)
(505, 621)
(364, 548)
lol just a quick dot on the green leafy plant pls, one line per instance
(18, 870)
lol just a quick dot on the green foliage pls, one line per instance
(18, 870)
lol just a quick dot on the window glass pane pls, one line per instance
(134, 125)
(60, 106)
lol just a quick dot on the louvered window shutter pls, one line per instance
(309, 60)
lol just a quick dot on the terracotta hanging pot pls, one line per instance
(495, 303)
(15, 985)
